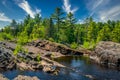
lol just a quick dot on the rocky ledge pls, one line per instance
(54, 47)
(24, 61)
(38, 56)
(107, 53)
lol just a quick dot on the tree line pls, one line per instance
(63, 29)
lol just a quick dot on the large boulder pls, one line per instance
(107, 53)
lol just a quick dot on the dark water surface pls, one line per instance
(77, 67)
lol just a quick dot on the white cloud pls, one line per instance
(104, 10)
(38, 11)
(4, 18)
(67, 7)
(80, 21)
(27, 8)
(97, 3)
(112, 13)
(94, 5)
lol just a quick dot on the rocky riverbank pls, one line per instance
(40, 56)
(42, 49)
(107, 53)
(19, 77)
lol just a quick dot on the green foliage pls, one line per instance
(51, 39)
(23, 38)
(5, 36)
(38, 58)
(89, 45)
(18, 49)
(74, 45)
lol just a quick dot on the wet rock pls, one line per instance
(23, 66)
(90, 76)
(21, 77)
(2, 77)
(35, 65)
(31, 65)
(107, 53)
(51, 69)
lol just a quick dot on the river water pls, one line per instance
(77, 68)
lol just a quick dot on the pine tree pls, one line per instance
(70, 23)
(57, 16)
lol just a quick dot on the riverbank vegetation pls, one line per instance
(62, 28)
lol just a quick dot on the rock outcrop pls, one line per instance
(20, 61)
(26, 61)
(54, 47)
(107, 53)
(7, 60)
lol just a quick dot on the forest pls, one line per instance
(62, 28)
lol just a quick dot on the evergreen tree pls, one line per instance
(57, 16)
(70, 24)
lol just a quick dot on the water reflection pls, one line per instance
(83, 65)
(78, 66)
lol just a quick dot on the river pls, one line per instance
(77, 68)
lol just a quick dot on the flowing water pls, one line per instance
(77, 68)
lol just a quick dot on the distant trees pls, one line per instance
(116, 32)
(62, 28)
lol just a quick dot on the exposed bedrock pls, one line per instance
(107, 53)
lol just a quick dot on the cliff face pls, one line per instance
(107, 53)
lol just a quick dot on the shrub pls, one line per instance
(22, 40)
(89, 45)
(18, 49)
(74, 45)
(38, 58)
(51, 39)
(5, 36)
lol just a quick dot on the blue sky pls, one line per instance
(100, 10)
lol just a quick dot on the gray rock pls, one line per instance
(107, 53)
